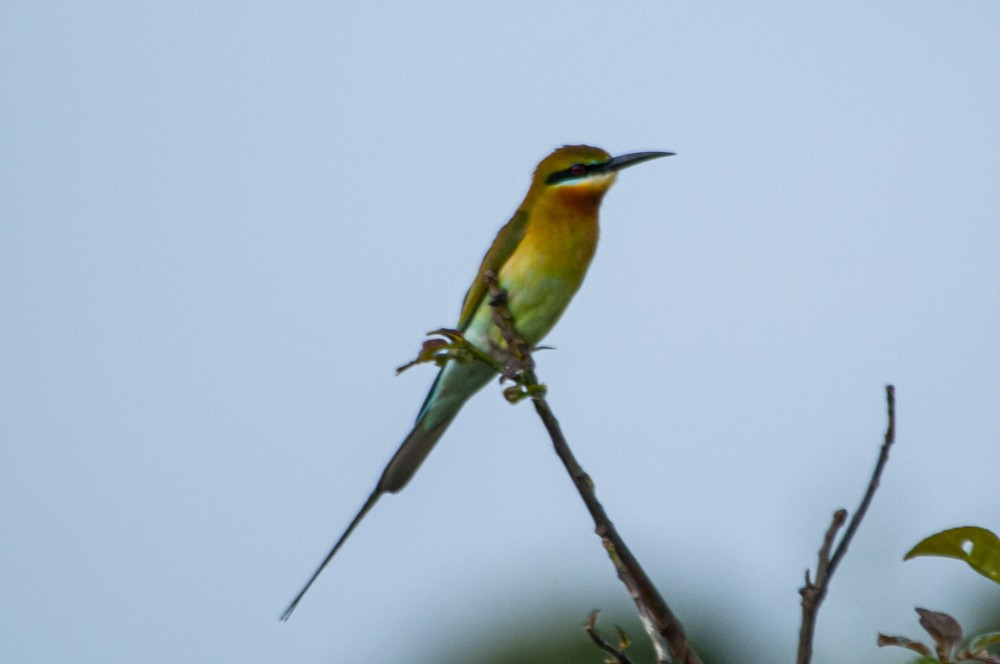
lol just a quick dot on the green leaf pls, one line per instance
(984, 641)
(453, 346)
(623, 639)
(978, 547)
(514, 393)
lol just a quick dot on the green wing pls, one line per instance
(503, 246)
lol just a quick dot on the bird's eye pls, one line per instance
(578, 169)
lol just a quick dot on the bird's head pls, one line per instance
(581, 174)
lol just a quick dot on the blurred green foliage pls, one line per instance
(559, 638)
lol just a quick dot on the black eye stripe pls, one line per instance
(575, 171)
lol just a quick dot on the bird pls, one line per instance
(539, 259)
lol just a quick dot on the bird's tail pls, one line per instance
(456, 382)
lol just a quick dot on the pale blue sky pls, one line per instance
(224, 225)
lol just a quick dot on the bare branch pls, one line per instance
(813, 593)
(663, 627)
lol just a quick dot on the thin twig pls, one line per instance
(883, 458)
(813, 593)
(591, 629)
(663, 627)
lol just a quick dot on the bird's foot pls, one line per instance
(498, 298)
(517, 364)
(521, 369)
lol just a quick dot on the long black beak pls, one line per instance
(626, 160)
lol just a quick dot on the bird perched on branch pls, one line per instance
(539, 259)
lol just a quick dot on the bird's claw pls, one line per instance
(516, 367)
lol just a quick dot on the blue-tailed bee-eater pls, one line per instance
(539, 259)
